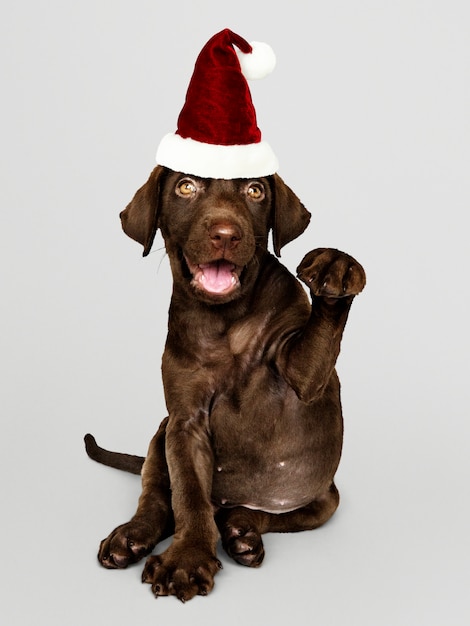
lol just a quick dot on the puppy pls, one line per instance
(254, 430)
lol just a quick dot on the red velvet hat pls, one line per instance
(217, 133)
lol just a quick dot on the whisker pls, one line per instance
(157, 249)
(163, 256)
(161, 259)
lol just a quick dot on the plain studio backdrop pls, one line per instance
(368, 112)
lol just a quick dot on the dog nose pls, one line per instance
(225, 236)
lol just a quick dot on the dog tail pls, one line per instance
(118, 460)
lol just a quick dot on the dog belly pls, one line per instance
(274, 478)
(272, 452)
(279, 491)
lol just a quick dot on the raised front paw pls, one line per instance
(332, 274)
(182, 570)
(127, 544)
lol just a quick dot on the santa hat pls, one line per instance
(217, 135)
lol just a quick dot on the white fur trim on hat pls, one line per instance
(215, 161)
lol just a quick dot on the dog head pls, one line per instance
(214, 229)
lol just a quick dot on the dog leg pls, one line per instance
(241, 528)
(153, 519)
(308, 359)
(188, 566)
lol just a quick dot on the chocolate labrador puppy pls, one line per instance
(254, 433)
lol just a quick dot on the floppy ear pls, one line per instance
(290, 217)
(140, 218)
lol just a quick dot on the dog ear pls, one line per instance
(140, 218)
(290, 217)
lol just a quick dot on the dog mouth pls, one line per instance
(215, 278)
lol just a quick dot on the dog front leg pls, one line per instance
(309, 358)
(188, 566)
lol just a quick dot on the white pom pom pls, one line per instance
(258, 63)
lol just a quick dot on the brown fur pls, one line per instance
(254, 433)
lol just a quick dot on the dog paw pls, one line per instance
(181, 571)
(330, 273)
(243, 545)
(127, 544)
(241, 538)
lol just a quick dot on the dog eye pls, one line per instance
(255, 191)
(186, 188)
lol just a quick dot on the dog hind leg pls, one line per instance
(153, 520)
(241, 528)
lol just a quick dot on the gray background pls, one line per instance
(368, 111)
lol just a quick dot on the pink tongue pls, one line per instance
(217, 277)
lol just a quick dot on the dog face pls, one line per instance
(214, 229)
